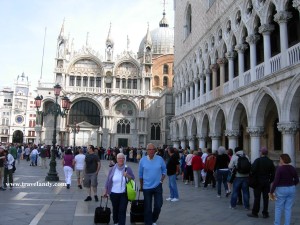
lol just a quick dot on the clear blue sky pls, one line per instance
(23, 23)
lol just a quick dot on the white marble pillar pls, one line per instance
(221, 62)
(192, 143)
(266, 30)
(233, 137)
(187, 95)
(196, 88)
(252, 39)
(230, 57)
(288, 131)
(191, 91)
(207, 75)
(182, 143)
(255, 135)
(214, 68)
(216, 141)
(201, 142)
(281, 18)
(240, 48)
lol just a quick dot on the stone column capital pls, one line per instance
(252, 39)
(230, 55)
(202, 76)
(288, 127)
(207, 72)
(266, 28)
(216, 135)
(255, 131)
(232, 133)
(241, 48)
(296, 4)
(214, 67)
(282, 16)
(221, 61)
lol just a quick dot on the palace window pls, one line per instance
(72, 80)
(155, 131)
(123, 126)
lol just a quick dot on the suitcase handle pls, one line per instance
(106, 201)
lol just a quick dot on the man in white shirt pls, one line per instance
(8, 169)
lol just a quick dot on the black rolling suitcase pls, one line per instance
(137, 210)
(102, 214)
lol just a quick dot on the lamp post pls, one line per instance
(75, 129)
(55, 110)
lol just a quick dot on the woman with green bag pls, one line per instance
(115, 187)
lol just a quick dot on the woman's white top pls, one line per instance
(119, 182)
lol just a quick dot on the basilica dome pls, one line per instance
(162, 39)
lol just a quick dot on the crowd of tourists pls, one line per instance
(227, 168)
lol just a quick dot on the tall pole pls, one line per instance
(52, 174)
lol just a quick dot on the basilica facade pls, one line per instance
(122, 100)
(237, 76)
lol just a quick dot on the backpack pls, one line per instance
(210, 163)
(243, 164)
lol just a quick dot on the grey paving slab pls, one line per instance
(35, 205)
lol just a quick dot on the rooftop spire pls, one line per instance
(164, 22)
(109, 40)
(62, 29)
(87, 39)
(148, 40)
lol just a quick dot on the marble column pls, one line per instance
(201, 88)
(176, 143)
(240, 48)
(192, 143)
(233, 137)
(182, 143)
(252, 39)
(230, 57)
(266, 30)
(281, 18)
(255, 135)
(221, 62)
(216, 141)
(196, 88)
(288, 131)
(207, 75)
(214, 68)
(201, 142)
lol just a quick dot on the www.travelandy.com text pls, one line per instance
(36, 184)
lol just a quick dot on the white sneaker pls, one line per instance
(174, 200)
(169, 199)
(154, 224)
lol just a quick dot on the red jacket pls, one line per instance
(197, 163)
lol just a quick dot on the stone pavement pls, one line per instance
(60, 206)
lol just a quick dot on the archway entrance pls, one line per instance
(18, 137)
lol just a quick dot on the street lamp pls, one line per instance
(75, 129)
(55, 110)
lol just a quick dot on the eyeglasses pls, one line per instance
(120, 158)
(151, 149)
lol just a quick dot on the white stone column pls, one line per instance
(176, 143)
(201, 142)
(288, 131)
(255, 134)
(266, 30)
(214, 68)
(207, 75)
(230, 57)
(191, 91)
(252, 39)
(233, 137)
(221, 62)
(196, 88)
(182, 143)
(192, 143)
(186, 95)
(281, 18)
(240, 48)
(216, 141)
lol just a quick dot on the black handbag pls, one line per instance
(102, 213)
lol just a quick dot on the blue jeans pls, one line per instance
(238, 184)
(285, 200)
(150, 216)
(173, 186)
(119, 203)
(222, 178)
